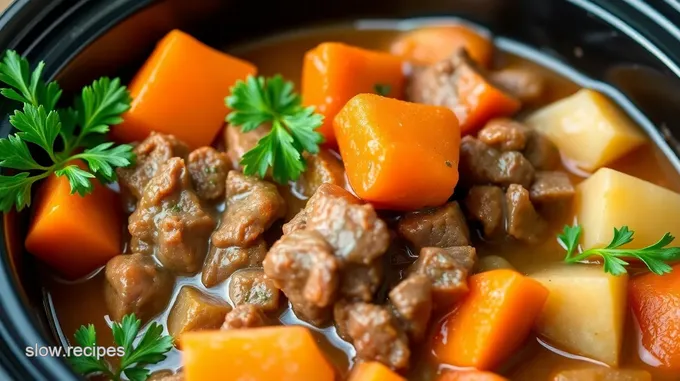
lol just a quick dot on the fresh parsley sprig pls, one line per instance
(60, 133)
(613, 256)
(149, 349)
(257, 101)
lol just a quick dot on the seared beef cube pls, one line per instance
(252, 207)
(447, 269)
(324, 191)
(512, 168)
(550, 187)
(245, 316)
(523, 84)
(166, 375)
(238, 142)
(444, 226)
(152, 154)
(222, 262)
(135, 284)
(322, 168)
(195, 311)
(541, 152)
(354, 231)
(303, 266)
(412, 300)
(477, 162)
(504, 134)
(485, 204)
(375, 333)
(208, 169)
(253, 287)
(360, 282)
(170, 222)
(524, 223)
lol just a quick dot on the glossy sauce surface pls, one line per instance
(74, 304)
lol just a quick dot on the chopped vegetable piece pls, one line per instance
(285, 353)
(149, 349)
(194, 311)
(470, 375)
(568, 320)
(179, 91)
(373, 371)
(432, 44)
(390, 159)
(492, 321)
(603, 374)
(654, 256)
(271, 100)
(655, 301)
(75, 235)
(333, 73)
(588, 129)
(609, 199)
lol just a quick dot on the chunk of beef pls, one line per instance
(135, 284)
(512, 168)
(222, 262)
(324, 167)
(238, 142)
(526, 85)
(166, 375)
(524, 223)
(603, 374)
(444, 226)
(360, 282)
(541, 152)
(245, 316)
(195, 311)
(375, 333)
(253, 287)
(324, 191)
(447, 269)
(354, 231)
(492, 262)
(170, 222)
(208, 169)
(484, 204)
(152, 154)
(303, 266)
(252, 207)
(504, 134)
(477, 162)
(550, 187)
(412, 300)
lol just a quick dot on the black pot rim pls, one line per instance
(32, 26)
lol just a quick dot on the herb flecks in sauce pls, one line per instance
(382, 89)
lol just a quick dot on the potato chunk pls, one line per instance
(194, 311)
(610, 199)
(587, 128)
(585, 311)
(603, 374)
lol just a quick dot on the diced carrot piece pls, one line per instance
(492, 321)
(432, 44)
(373, 371)
(655, 301)
(283, 353)
(333, 73)
(398, 155)
(470, 375)
(180, 90)
(74, 234)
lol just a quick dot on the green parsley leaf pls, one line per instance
(101, 105)
(14, 154)
(103, 158)
(16, 190)
(88, 365)
(27, 87)
(381, 89)
(79, 179)
(37, 126)
(259, 101)
(655, 256)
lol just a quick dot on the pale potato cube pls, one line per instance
(603, 374)
(585, 311)
(587, 128)
(610, 199)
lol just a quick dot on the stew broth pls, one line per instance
(78, 303)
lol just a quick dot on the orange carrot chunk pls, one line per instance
(432, 44)
(655, 301)
(470, 375)
(398, 155)
(180, 90)
(74, 235)
(373, 371)
(492, 321)
(333, 73)
(283, 353)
